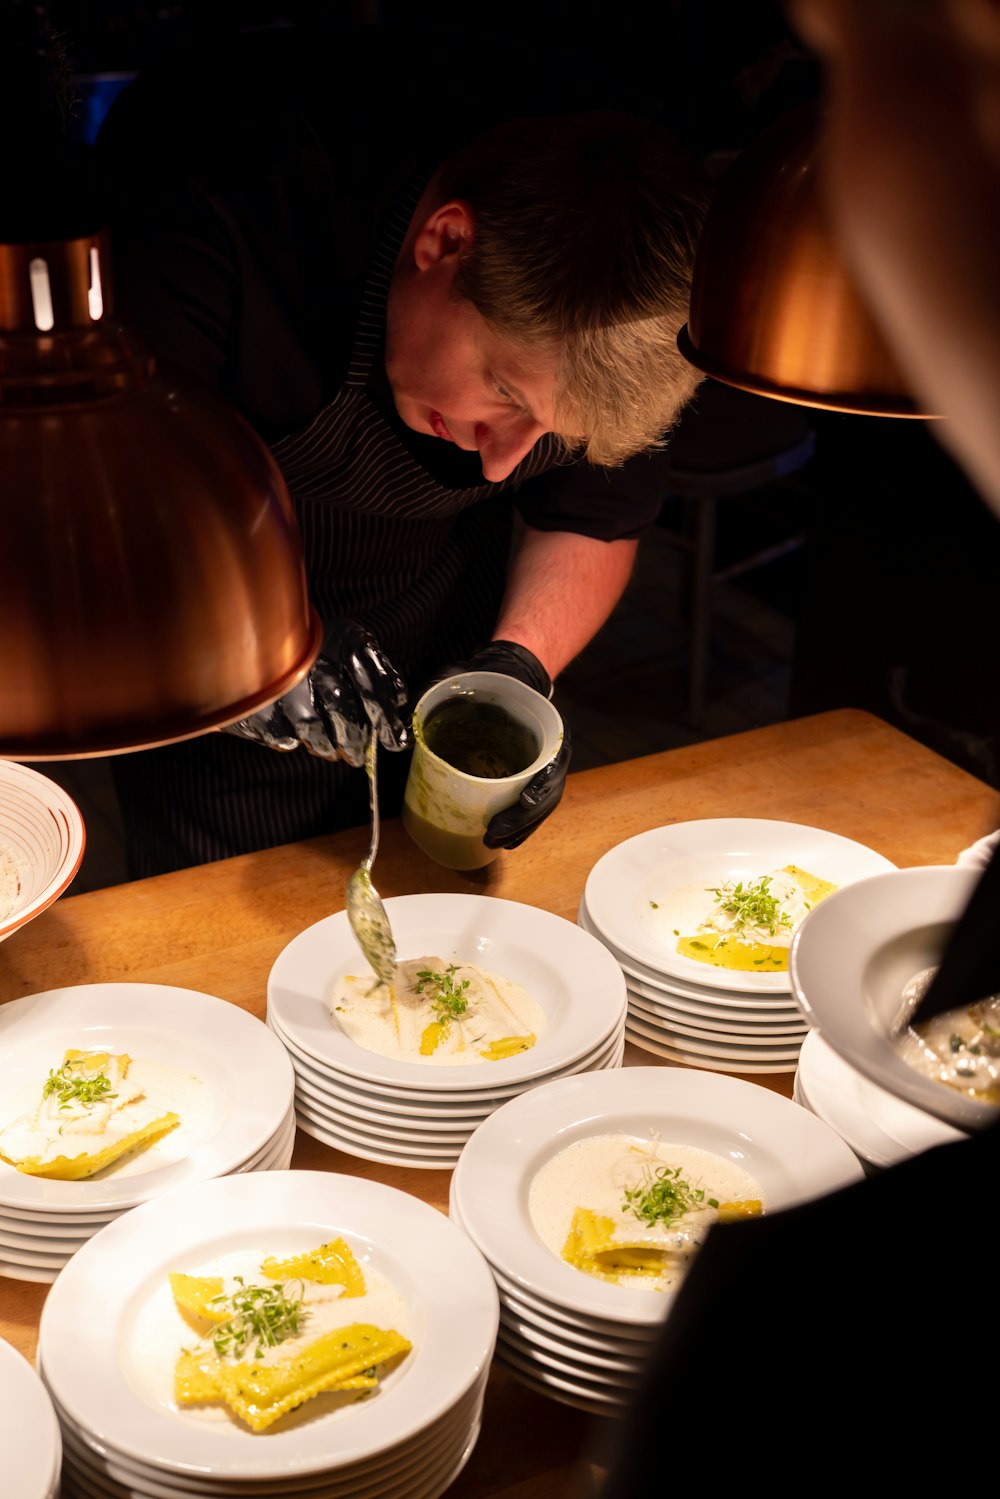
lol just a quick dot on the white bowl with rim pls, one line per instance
(851, 959)
(42, 839)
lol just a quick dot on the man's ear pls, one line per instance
(445, 232)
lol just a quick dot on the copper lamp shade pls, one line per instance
(774, 309)
(152, 585)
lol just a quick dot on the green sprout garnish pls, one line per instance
(664, 1197)
(448, 1000)
(265, 1315)
(752, 905)
(85, 1088)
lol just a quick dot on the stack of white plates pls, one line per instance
(584, 1341)
(30, 1443)
(880, 1128)
(416, 1113)
(234, 1094)
(692, 1012)
(110, 1335)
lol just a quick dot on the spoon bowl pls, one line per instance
(365, 911)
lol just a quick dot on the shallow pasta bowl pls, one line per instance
(850, 961)
(42, 838)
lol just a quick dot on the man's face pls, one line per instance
(453, 376)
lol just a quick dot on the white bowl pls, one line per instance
(850, 960)
(41, 836)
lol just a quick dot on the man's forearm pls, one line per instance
(560, 590)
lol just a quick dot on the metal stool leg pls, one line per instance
(702, 570)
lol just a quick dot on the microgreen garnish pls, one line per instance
(752, 905)
(85, 1088)
(448, 1000)
(665, 1196)
(265, 1315)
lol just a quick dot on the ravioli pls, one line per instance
(635, 1212)
(439, 1012)
(264, 1349)
(90, 1114)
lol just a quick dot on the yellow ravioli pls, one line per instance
(330, 1264)
(262, 1392)
(73, 1168)
(195, 1294)
(592, 1247)
(506, 1046)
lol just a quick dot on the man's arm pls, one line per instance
(560, 590)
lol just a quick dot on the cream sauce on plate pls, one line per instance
(699, 922)
(460, 1016)
(597, 1173)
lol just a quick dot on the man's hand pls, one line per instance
(351, 689)
(541, 796)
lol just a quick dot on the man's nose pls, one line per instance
(502, 448)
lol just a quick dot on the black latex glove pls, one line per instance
(541, 796)
(351, 688)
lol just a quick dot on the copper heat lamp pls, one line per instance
(774, 309)
(152, 584)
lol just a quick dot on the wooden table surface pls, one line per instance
(219, 928)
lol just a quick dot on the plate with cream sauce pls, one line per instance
(718, 902)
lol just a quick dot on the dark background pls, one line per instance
(894, 593)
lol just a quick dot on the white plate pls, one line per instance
(346, 1118)
(30, 1441)
(389, 1110)
(414, 1102)
(649, 1038)
(443, 1150)
(64, 1233)
(568, 1392)
(849, 966)
(524, 1331)
(245, 1073)
(401, 1462)
(711, 1029)
(99, 1378)
(602, 1373)
(569, 973)
(769, 1039)
(385, 1155)
(791, 1153)
(408, 1470)
(638, 975)
(650, 867)
(876, 1124)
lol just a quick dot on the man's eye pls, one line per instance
(502, 391)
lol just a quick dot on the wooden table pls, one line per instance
(219, 928)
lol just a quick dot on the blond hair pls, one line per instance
(586, 227)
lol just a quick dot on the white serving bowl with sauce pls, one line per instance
(853, 956)
(42, 838)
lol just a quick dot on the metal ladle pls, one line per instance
(365, 911)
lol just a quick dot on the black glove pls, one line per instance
(541, 796)
(351, 689)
